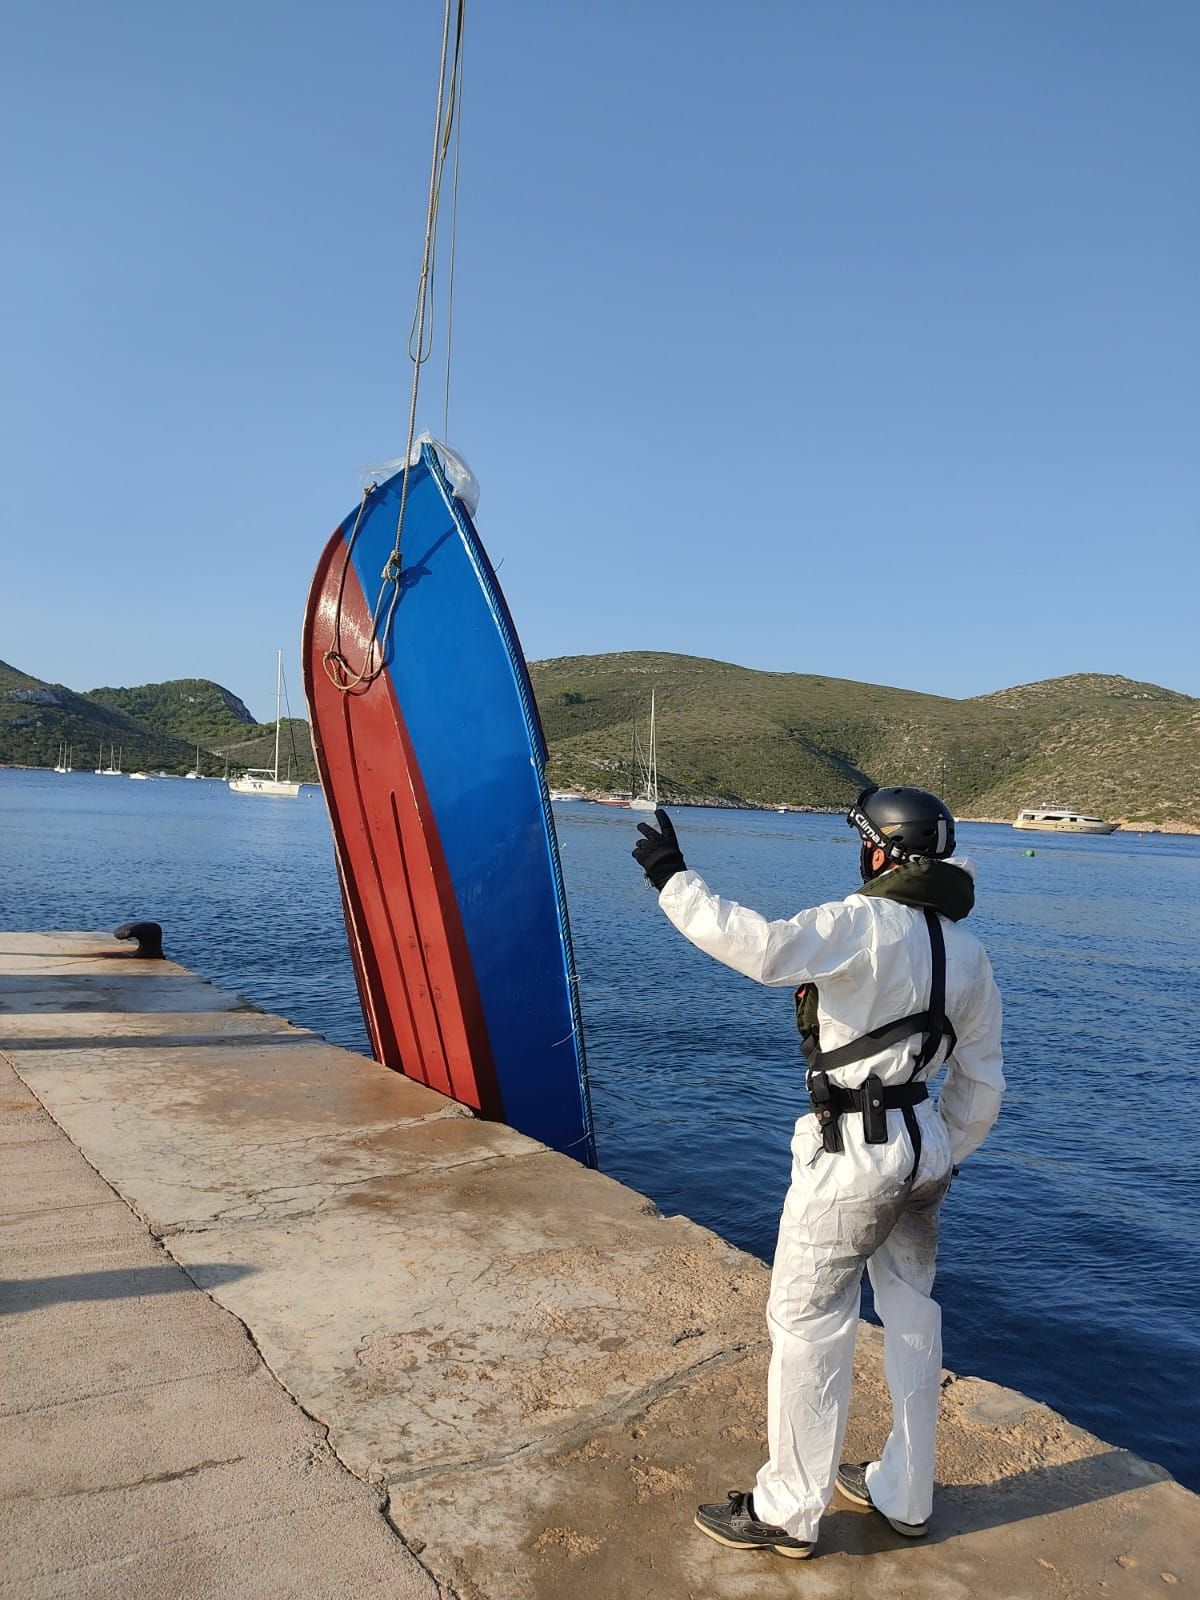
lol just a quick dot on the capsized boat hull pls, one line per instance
(443, 832)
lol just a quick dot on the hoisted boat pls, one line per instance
(434, 768)
(433, 761)
(434, 773)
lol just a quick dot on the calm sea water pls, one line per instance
(1071, 1248)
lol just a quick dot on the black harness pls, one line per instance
(830, 1102)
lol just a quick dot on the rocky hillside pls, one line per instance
(37, 718)
(194, 709)
(726, 734)
(156, 727)
(1127, 750)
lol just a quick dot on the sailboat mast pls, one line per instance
(278, 691)
(653, 755)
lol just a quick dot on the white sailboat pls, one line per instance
(195, 772)
(113, 754)
(100, 768)
(61, 764)
(258, 780)
(648, 799)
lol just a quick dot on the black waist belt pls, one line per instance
(830, 1103)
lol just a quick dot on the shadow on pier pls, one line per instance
(114, 1283)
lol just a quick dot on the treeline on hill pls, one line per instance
(156, 727)
(1129, 751)
(726, 734)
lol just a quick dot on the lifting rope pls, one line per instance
(341, 674)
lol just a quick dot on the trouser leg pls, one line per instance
(812, 1313)
(901, 1272)
(808, 1397)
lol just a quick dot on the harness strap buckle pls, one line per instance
(828, 1111)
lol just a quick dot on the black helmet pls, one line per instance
(903, 823)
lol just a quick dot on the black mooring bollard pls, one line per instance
(148, 936)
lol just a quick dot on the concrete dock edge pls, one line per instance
(276, 1316)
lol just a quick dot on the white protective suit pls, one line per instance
(870, 959)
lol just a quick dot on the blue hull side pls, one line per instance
(459, 678)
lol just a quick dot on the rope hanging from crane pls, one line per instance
(447, 124)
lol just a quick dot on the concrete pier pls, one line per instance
(278, 1322)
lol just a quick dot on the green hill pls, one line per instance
(1128, 750)
(194, 709)
(155, 727)
(36, 718)
(726, 735)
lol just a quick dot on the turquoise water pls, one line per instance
(1071, 1245)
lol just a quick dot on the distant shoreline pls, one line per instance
(1179, 829)
(1182, 830)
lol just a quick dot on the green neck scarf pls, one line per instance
(925, 882)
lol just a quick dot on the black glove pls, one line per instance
(657, 853)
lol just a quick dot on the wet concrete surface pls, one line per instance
(541, 1374)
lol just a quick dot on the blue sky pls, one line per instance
(756, 306)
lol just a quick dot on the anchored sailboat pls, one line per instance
(258, 780)
(648, 799)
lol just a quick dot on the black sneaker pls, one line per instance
(735, 1524)
(852, 1485)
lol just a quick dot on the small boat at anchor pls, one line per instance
(258, 780)
(1062, 819)
(647, 800)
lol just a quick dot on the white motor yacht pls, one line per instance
(1062, 819)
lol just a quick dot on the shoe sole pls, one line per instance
(734, 1544)
(906, 1530)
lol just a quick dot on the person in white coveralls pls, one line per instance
(889, 986)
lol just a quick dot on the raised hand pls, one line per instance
(657, 852)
